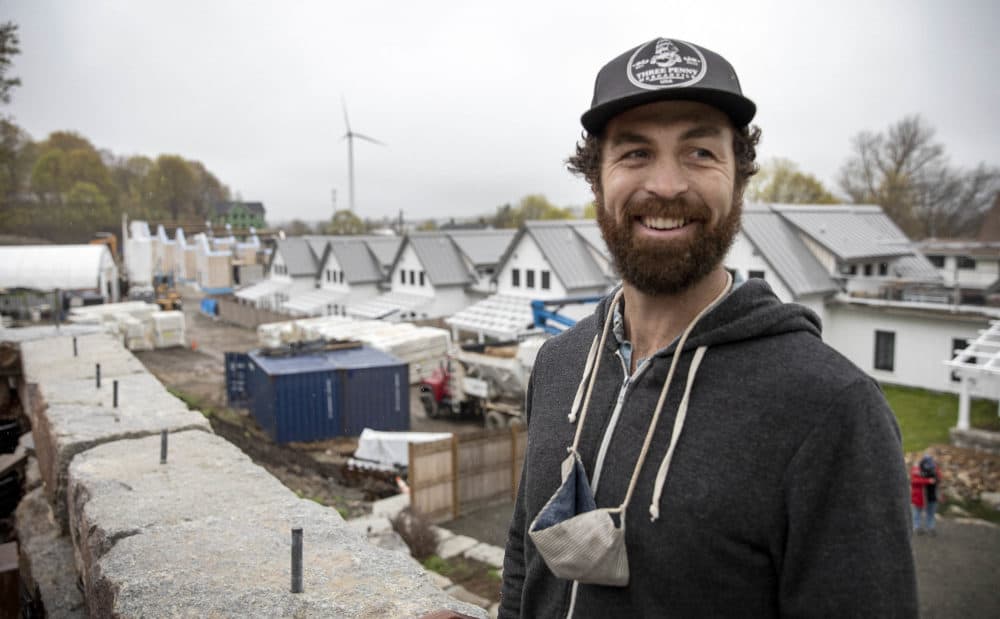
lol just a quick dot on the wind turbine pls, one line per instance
(349, 136)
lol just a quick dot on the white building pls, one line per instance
(970, 270)
(546, 260)
(69, 268)
(855, 269)
(437, 274)
(350, 272)
(291, 270)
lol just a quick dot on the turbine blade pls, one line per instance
(372, 140)
(347, 123)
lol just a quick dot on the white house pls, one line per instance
(436, 274)
(350, 272)
(857, 270)
(546, 260)
(970, 270)
(291, 270)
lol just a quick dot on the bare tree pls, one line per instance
(908, 174)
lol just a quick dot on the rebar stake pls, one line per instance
(114, 384)
(74, 346)
(163, 447)
(97, 369)
(297, 560)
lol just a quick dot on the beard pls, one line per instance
(657, 267)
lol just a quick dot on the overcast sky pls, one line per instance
(478, 103)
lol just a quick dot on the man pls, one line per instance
(694, 449)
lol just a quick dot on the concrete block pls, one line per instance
(441, 582)
(442, 533)
(454, 546)
(64, 430)
(52, 360)
(378, 531)
(494, 610)
(205, 535)
(486, 553)
(391, 506)
(137, 390)
(46, 563)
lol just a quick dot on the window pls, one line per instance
(422, 278)
(413, 278)
(341, 277)
(402, 276)
(937, 261)
(868, 270)
(883, 268)
(885, 350)
(529, 276)
(757, 274)
(965, 262)
(515, 278)
(957, 344)
(546, 280)
(852, 269)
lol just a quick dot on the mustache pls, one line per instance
(659, 207)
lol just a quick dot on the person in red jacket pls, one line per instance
(923, 494)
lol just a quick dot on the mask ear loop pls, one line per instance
(592, 379)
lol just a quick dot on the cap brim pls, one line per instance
(739, 109)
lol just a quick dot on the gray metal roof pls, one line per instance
(384, 248)
(851, 233)
(441, 258)
(356, 260)
(298, 256)
(565, 248)
(589, 230)
(788, 256)
(318, 243)
(482, 247)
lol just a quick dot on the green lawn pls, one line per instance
(926, 416)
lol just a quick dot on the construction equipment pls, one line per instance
(480, 380)
(167, 296)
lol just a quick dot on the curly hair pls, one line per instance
(586, 162)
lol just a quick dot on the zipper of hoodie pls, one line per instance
(627, 381)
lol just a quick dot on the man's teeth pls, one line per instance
(663, 223)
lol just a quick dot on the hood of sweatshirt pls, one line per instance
(749, 311)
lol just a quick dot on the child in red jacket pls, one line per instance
(923, 494)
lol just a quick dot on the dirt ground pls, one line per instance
(313, 470)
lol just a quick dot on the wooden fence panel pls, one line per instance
(235, 312)
(432, 479)
(454, 476)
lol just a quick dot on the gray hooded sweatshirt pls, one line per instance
(787, 493)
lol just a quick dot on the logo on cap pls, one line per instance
(665, 63)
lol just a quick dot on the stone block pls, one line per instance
(461, 593)
(454, 546)
(391, 506)
(486, 553)
(442, 533)
(991, 499)
(46, 563)
(64, 430)
(52, 360)
(205, 535)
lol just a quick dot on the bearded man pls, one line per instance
(694, 449)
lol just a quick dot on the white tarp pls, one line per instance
(392, 448)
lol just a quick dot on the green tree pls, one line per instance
(209, 191)
(8, 49)
(129, 177)
(172, 187)
(427, 225)
(590, 210)
(86, 207)
(17, 154)
(906, 172)
(537, 206)
(780, 181)
(345, 222)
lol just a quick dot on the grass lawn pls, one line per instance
(926, 416)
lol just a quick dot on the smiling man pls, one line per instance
(694, 449)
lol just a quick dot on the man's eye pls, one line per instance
(635, 154)
(703, 153)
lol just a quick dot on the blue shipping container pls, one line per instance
(324, 395)
(236, 379)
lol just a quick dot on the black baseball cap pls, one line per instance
(666, 69)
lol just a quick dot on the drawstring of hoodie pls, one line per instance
(589, 378)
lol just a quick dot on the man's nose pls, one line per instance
(666, 178)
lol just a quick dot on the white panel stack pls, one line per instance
(135, 331)
(423, 348)
(168, 329)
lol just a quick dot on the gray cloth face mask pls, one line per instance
(577, 540)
